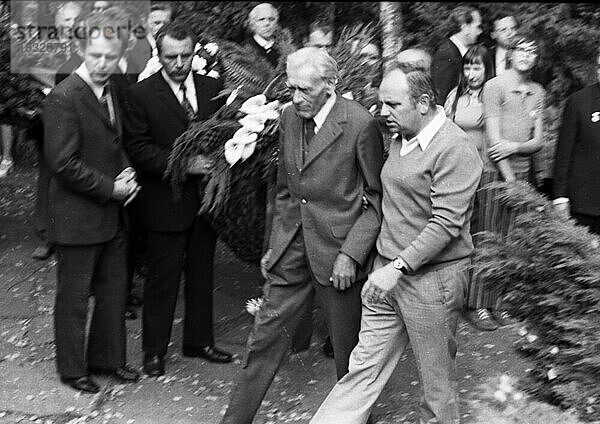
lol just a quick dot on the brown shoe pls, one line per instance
(481, 319)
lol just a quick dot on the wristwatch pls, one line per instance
(398, 263)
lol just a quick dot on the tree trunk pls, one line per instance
(391, 25)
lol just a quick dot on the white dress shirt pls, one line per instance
(265, 44)
(425, 135)
(190, 89)
(322, 114)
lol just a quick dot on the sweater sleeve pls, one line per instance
(455, 177)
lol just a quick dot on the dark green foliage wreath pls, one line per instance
(234, 198)
(549, 269)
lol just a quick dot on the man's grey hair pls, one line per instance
(324, 65)
(252, 14)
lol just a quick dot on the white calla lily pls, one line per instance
(253, 104)
(253, 123)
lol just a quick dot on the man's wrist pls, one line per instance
(399, 264)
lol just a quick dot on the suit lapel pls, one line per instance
(90, 101)
(168, 97)
(329, 132)
(294, 139)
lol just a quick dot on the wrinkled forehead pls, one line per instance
(505, 23)
(394, 86)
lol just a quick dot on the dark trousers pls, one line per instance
(287, 292)
(169, 254)
(102, 269)
(40, 213)
(590, 221)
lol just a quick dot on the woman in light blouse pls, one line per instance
(463, 105)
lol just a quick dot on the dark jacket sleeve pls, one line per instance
(365, 230)
(144, 154)
(62, 151)
(445, 72)
(564, 149)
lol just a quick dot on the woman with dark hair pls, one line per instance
(464, 107)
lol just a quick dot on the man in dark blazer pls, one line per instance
(159, 109)
(90, 179)
(446, 65)
(577, 161)
(327, 217)
(263, 23)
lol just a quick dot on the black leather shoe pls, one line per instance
(328, 348)
(124, 374)
(154, 365)
(43, 252)
(209, 353)
(83, 384)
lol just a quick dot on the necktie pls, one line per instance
(186, 105)
(309, 132)
(104, 102)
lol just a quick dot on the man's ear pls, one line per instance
(423, 106)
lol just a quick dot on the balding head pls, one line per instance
(263, 20)
(414, 60)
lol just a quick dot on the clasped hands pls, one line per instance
(125, 186)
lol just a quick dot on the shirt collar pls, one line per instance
(175, 86)
(83, 72)
(123, 64)
(461, 47)
(322, 114)
(265, 44)
(430, 130)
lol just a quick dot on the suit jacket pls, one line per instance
(84, 153)
(577, 159)
(153, 122)
(272, 56)
(324, 194)
(446, 66)
(139, 55)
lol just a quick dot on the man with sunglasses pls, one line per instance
(326, 220)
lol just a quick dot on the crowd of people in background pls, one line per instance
(382, 246)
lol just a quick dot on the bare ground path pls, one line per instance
(192, 391)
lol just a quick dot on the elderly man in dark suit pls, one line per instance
(327, 217)
(160, 109)
(577, 161)
(90, 179)
(447, 60)
(263, 23)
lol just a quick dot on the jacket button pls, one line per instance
(303, 201)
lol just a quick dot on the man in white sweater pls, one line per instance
(415, 293)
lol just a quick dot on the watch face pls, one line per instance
(397, 263)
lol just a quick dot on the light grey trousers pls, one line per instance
(423, 309)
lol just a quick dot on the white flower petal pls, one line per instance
(248, 150)
(253, 104)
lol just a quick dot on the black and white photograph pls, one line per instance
(245, 212)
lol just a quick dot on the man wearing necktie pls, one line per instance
(159, 109)
(327, 216)
(90, 180)
(263, 23)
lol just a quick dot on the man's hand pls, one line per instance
(563, 210)
(380, 283)
(264, 261)
(502, 150)
(127, 174)
(199, 165)
(123, 188)
(344, 272)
